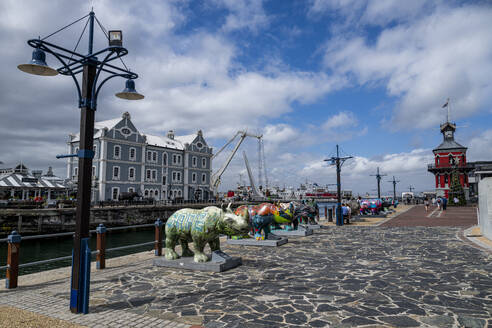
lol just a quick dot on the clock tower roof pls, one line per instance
(447, 130)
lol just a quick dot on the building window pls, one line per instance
(131, 190)
(154, 156)
(193, 161)
(154, 175)
(146, 193)
(131, 173)
(93, 171)
(193, 177)
(149, 156)
(179, 159)
(75, 171)
(94, 148)
(204, 162)
(164, 159)
(116, 173)
(176, 176)
(174, 158)
(451, 160)
(133, 154)
(179, 176)
(179, 193)
(163, 179)
(445, 179)
(204, 177)
(437, 160)
(156, 193)
(116, 193)
(76, 150)
(147, 174)
(117, 152)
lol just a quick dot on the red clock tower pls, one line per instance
(449, 156)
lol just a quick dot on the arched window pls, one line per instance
(117, 152)
(451, 159)
(146, 193)
(164, 159)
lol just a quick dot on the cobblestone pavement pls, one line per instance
(339, 277)
(452, 217)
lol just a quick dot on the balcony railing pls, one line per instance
(447, 167)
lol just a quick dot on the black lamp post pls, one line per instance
(73, 63)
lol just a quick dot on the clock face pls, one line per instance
(448, 134)
(125, 131)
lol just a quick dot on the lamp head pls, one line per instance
(130, 93)
(37, 65)
(115, 38)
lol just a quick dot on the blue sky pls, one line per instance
(369, 75)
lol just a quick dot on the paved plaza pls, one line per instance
(339, 277)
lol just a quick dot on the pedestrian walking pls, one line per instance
(438, 202)
(444, 203)
(426, 204)
(456, 200)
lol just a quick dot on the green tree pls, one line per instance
(456, 190)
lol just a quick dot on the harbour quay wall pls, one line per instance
(42, 221)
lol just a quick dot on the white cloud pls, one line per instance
(425, 62)
(244, 14)
(480, 147)
(342, 119)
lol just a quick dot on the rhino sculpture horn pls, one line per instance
(229, 208)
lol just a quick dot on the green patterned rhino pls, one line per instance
(202, 227)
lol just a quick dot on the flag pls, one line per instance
(446, 104)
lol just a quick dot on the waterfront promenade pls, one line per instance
(401, 276)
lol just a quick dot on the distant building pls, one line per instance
(159, 167)
(18, 183)
(450, 157)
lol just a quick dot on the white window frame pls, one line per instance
(193, 177)
(94, 149)
(129, 175)
(194, 161)
(114, 152)
(134, 158)
(164, 158)
(154, 157)
(175, 159)
(117, 193)
(119, 173)
(131, 189)
(179, 193)
(146, 193)
(204, 162)
(164, 179)
(204, 178)
(154, 175)
(94, 171)
(148, 174)
(178, 177)
(179, 159)
(76, 171)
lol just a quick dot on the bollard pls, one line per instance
(158, 237)
(101, 247)
(326, 213)
(330, 215)
(14, 240)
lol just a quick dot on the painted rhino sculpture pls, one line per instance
(202, 227)
(262, 216)
(306, 214)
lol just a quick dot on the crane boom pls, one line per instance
(215, 180)
(256, 192)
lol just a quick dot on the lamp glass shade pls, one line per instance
(130, 93)
(115, 38)
(37, 65)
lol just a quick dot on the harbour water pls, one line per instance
(43, 249)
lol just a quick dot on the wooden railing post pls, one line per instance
(101, 246)
(158, 237)
(14, 240)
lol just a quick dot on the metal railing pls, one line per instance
(14, 241)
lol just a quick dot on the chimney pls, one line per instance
(170, 134)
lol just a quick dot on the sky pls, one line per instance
(371, 76)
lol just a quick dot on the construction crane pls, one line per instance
(215, 179)
(257, 195)
(262, 165)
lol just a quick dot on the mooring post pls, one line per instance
(330, 215)
(326, 212)
(14, 240)
(158, 237)
(101, 246)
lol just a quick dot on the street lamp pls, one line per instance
(92, 69)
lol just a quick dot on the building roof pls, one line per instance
(188, 139)
(99, 126)
(448, 144)
(162, 141)
(28, 181)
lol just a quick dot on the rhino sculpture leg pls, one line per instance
(169, 252)
(199, 246)
(214, 244)
(266, 230)
(187, 252)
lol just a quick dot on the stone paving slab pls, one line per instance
(418, 216)
(339, 277)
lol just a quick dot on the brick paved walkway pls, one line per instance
(339, 277)
(452, 217)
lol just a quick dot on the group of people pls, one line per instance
(440, 202)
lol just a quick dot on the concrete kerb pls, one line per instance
(475, 239)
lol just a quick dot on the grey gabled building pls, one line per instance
(159, 167)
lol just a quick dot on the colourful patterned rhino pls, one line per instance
(202, 227)
(262, 216)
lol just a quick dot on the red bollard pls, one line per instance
(326, 213)
(101, 247)
(14, 240)
(158, 237)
